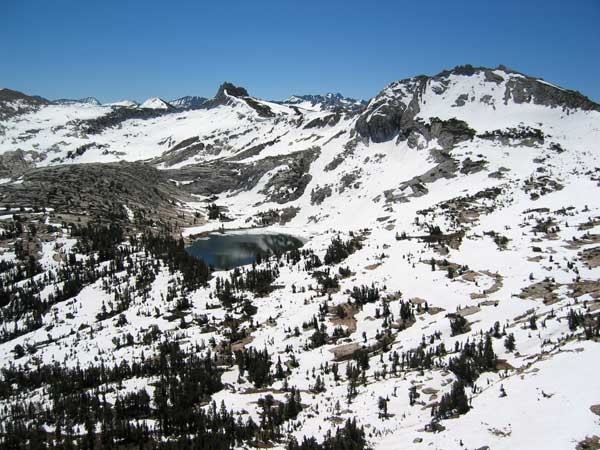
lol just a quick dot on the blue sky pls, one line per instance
(135, 49)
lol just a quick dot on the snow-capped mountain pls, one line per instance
(155, 103)
(329, 101)
(87, 100)
(188, 102)
(446, 295)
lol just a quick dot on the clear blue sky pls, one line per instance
(118, 49)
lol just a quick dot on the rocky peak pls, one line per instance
(230, 89)
(392, 112)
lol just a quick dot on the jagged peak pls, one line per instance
(229, 89)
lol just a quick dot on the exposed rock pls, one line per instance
(325, 121)
(220, 176)
(387, 115)
(289, 184)
(96, 191)
(319, 194)
(13, 103)
(228, 90)
(117, 116)
(470, 166)
(14, 163)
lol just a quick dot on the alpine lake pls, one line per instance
(226, 251)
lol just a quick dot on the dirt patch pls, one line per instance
(586, 239)
(535, 258)
(401, 324)
(542, 289)
(470, 275)
(345, 351)
(591, 257)
(489, 303)
(492, 289)
(502, 364)
(589, 224)
(583, 287)
(372, 266)
(595, 409)
(241, 344)
(469, 310)
(349, 321)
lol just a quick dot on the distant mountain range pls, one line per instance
(86, 100)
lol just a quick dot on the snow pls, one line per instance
(154, 103)
(123, 103)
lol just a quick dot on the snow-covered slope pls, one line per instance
(469, 259)
(124, 103)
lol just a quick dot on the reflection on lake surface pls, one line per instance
(226, 251)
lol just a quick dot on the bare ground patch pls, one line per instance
(542, 289)
(492, 289)
(241, 344)
(589, 443)
(345, 316)
(591, 257)
(582, 287)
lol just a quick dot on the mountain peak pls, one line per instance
(403, 106)
(230, 89)
(329, 101)
(156, 103)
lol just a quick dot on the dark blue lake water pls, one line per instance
(226, 251)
